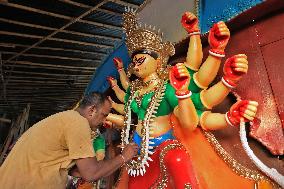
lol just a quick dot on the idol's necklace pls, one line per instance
(137, 167)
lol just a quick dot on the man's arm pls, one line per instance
(90, 169)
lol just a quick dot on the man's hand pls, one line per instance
(129, 151)
(190, 23)
(91, 169)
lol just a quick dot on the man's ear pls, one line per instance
(92, 110)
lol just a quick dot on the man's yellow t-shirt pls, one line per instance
(44, 153)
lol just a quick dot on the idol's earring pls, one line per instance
(130, 70)
(162, 70)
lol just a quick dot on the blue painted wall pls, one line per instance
(98, 82)
(212, 11)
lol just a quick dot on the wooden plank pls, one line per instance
(126, 4)
(5, 120)
(87, 6)
(50, 66)
(22, 7)
(51, 74)
(40, 98)
(31, 93)
(43, 38)
(9, 139)
(43, 88)
(81, 79)
(13, 45)
(63, 31)
(51, 56)
(47, 84)
(72, 21)
(16, 81)
(24, 121)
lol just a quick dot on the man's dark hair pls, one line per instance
(93, 98)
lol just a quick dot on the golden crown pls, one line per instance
(145, 37)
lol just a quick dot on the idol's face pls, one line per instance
(144, 65)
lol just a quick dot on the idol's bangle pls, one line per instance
(194, 33)
(217, 53)
(229, 120)
(228, 84)
(183, 94)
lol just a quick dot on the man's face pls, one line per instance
(99, 115)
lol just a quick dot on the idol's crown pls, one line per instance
(140, 37)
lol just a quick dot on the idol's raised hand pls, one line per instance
(118, 63)
(179, 77)
(219, 36)
(242, 110)
(234, 68)
(190, 23)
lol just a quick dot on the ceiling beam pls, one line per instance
(63, 31)
(23, 84)
(50, 78)
(28, 63)
(57, 93)
(33, 99)
(5, 120)
(72, 21)
(50, 103)
(59, 103)
(52, 39)
(20, 81)
(126, 4)
(13, 45)
(22, 7)
(50, 74)
(36, 98)
(51, 56)
(46, 90)
(88, 6)
(6, 66)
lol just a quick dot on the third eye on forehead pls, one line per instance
(138, 61)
